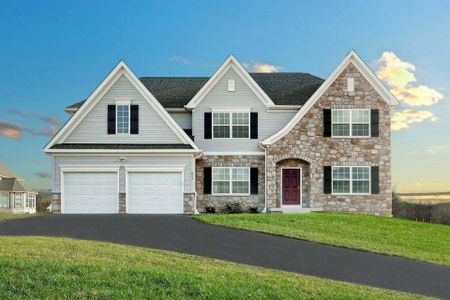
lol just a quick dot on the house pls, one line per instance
(15, 197)
(281, 142)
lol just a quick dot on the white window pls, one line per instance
(18, 200)
(4, 200)
(231, 181)
(123, 119)
(231, 87)
(234, 125)
(31, 201)
(350, 84)
(350, 122)
(351, 180)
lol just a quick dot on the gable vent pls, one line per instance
(231, 85)
(350, 84)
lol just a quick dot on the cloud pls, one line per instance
(436, 149)
(403, 119)
(400, 77)
(43, 118)
(49, 131)
(260, 67)
(181, 59)
(43, 174)
(10, 130)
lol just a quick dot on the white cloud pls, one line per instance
(182, 59)
(401, 78)
(403, 119)
(260, 67)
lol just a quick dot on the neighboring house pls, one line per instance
(282, 142)
(15, 197)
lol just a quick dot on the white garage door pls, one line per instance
(85, 192)
(155, 193)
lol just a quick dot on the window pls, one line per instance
(234, 125)
(18, 200)
(350, 84)
(351, 180)
(123, 118)
(4, 200)
(231, 181)
(350, 122)
(31, 201)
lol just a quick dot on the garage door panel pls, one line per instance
(155, 193)
(86, 192)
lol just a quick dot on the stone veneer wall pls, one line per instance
(252, 161)
(189, 203)
(122, 203)
(56, 203)
(305, 141)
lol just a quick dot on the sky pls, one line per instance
(54, 53)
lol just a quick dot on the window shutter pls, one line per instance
(254, 125)
(374, 122)
(327, 122)
(207, 180)
(375, 178)
(208, 125)
(327, 181)
(134, 118)
(254, 181)
(111, 119)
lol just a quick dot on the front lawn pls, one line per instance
(421, 241)
(8, 216)
(38, 267)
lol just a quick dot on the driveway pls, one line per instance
(186, 235)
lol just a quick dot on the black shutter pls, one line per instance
(327, 122)
(111, 119)
(254, 181)
(134, 118)
(207, 180)
(208, 125)
(254, 125)
(327, 180)
(375, 177)
(374, 122)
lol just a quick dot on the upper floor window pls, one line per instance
(231, 124)
(233, 180)
(350, 122)
(123, 118)
(351, 180)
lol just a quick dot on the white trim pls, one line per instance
(230, 110)
(130, 154)
(143, 151)
(176, 110)
(91, 169)
(350, 193)
(127, 104)
(100, 91)
(230, 62)
(353, 58)
(123, 101)
(300, 195)
(219, 153)
(231, 182)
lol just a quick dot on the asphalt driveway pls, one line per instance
(186, 235)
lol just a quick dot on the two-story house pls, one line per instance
(281, 142)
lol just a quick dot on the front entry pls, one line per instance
(291, 186)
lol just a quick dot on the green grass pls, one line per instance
(9, 216)
(38, 267)
(420, 241)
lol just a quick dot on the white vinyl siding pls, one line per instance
(231, 181)
(132, 160)
(183, 119)
(243, 98)
(351, 179)
(350, 122)
(93, 128)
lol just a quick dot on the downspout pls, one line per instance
(264, 211)
(195, 181)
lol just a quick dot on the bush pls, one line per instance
(42, 204)
(232, 208)
(209, 209)
(253, 209)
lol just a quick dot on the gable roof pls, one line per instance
(283, 88)
(99, 92)
(362, 67)
(12, 185)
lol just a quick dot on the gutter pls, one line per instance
(264, 211)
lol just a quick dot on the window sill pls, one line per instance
(351, 194)
(230, 195)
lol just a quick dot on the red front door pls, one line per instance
(291, 186)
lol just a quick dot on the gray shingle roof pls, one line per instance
(282, 88)
(12, 185)
(121, 146)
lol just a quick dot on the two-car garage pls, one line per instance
(148, 191)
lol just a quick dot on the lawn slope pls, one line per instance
(420, 241)
(37, 267)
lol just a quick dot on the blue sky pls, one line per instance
(54, 53)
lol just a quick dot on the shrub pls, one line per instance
(209, 209)
(42, 204)
(253, 209)
(232, 208)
